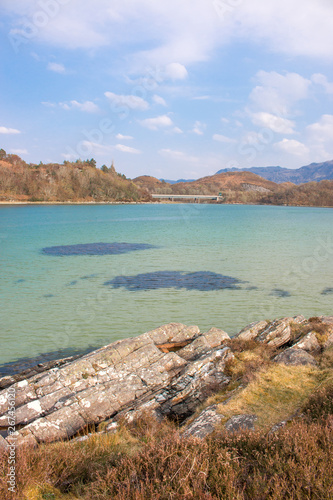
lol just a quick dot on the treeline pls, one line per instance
(314, 194)
(70, 181)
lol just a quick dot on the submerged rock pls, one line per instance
(95, 249)
(200, 280)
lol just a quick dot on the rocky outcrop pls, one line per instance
(119, 380)
(240, 422)
(169, 371)
(205, 423)
(295, 357)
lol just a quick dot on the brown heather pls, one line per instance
(150, 460)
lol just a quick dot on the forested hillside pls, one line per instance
(70, 181)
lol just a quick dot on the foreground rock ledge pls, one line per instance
(170, 371)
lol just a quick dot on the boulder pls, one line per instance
(240, 422)
(205, 423)
(279, 332)
(252, 330)
(295, 357)
(308, 343)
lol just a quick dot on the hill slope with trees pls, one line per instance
(78, 181)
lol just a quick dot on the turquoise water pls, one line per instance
(283, 257)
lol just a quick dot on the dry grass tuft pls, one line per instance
(275, 394)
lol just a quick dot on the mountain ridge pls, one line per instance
(313, 172)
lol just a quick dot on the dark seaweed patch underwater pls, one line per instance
(201, 280)
(96, 249)
(277, 292)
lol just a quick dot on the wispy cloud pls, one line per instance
(178, 155)
(160, 122)
(175, 71)
(56, 67)
(159, 100)
(199, 128)
(127, 149)
(86, 106)
(122, 137)
(19, 151)
(7, 130)
(292, 147)
(223, 138)
(275, 123)
(130, 101)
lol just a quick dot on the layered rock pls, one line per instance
(118, 380)
(169, 371)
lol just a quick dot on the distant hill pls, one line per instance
(247, 188)
(78, 181)
(177, 181)
(314, 172)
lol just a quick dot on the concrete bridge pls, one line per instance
(195, 197)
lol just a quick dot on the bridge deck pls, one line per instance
(186, 196)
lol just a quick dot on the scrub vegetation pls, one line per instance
(147, 459)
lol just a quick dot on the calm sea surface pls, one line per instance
(210, 265)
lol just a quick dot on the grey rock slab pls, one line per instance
(277, 333)
(308, 343)
(252, 330)
(240, 422)
(204, 424)
(204, 343)
(295, 357)
(173, 332)
(126, 377)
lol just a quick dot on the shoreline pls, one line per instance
(162, 202)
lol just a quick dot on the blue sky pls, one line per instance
(168, 88)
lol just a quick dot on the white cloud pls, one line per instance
(163, 121)
(130, 101)
(322, 131)
(274, 123)
(19, 151)
(292, 147)
(184, 31)
(127, 149)
(199, 128)
(56, 67)
(122, 137)
(178, 155)
(159, 100)
(322, 80)
(177, 130)
(49, 104)
(6, 130)
(277, 94)
(202, 98)
(86, 106)
(175, 71)
(223, 138)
